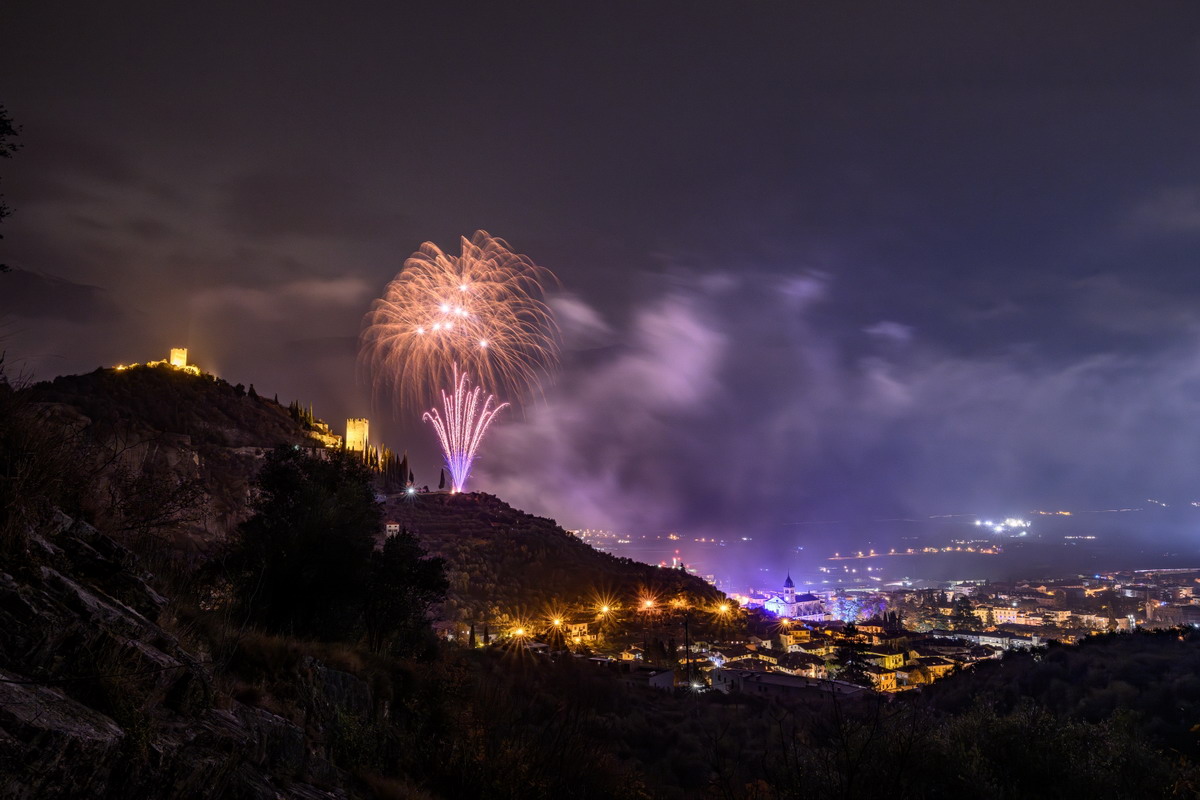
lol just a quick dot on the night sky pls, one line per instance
(821, 260)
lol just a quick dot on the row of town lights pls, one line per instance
(647, 604)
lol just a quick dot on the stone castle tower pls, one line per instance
(356, 434)
(178, 357)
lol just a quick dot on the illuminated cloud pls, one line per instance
(686, 425)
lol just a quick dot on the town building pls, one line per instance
(788, 605)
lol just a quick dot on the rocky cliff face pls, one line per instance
(181, 429)
(98, 699)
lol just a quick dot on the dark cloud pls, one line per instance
(1174, 209)
(307, 203)
(85, 157)
(29, 295)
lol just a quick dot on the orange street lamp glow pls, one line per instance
(519, 632)
(723, 608)
(604, 609)
(647, 604)
(557, 622)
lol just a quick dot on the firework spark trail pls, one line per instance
(484, 309)
(462, 427)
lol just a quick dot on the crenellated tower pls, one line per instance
(356, 434)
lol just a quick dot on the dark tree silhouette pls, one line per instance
(8, 132)
(852, 659)
(402, 587)
(300, 563)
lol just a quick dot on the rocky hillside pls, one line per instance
(99, 698)
(181, 428)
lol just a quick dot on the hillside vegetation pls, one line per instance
(1151, 679)
(502, 562)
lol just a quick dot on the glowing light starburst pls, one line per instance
(461, 427)
(484, 309)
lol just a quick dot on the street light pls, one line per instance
(646, 606)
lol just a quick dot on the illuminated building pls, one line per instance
(789, 605)
(176, 359)
(356, 434)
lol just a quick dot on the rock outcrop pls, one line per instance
(97, 699)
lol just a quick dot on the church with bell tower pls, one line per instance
(792, 606)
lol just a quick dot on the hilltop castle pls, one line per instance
(177, 358)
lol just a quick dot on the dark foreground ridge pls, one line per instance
(111, 689)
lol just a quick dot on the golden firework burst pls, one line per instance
(484, 310)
